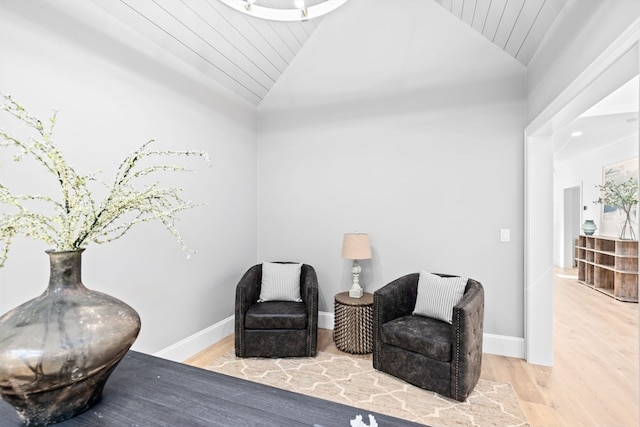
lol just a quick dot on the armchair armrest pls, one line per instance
(309, 285)
(247, 293)
(309, 294)
(248, 289)
(396, 299)
(468, 320)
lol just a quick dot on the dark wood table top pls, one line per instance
(149, 391)
(345, 299)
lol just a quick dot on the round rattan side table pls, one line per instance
(353, 323)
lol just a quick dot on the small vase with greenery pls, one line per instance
(622, 195)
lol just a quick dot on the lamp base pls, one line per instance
(356, 292)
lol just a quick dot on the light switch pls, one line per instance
(505, 235)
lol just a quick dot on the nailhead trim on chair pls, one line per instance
(376, 327)
(241, 317)
(310, 328)
(457, 370)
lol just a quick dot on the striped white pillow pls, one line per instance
(438, 295)
(280, 282)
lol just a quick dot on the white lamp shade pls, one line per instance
(356, 246)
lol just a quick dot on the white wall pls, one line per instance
(397, 120)
(111, 98)
(586, 171)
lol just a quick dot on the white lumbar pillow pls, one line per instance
(438, 295)
(280, 282)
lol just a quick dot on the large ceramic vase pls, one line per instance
(58, 350)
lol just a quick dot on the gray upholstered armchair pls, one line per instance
(429, 353)
(276, 328)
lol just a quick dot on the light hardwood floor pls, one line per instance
(595, 379)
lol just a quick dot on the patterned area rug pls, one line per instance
(351, 380)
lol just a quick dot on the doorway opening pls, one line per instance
(572, 203)
(616, 66)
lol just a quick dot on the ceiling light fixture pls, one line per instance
(300, 12)
(576, 133)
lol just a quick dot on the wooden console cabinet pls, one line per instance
(609, 265)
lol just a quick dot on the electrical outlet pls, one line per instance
(505, 235)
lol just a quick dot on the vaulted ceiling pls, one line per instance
(515, 26)
(248, 55)
(245, 54)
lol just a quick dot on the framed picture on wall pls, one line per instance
(612, 218)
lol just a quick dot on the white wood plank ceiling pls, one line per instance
(245, 54)
(515, 26)
(248, 55)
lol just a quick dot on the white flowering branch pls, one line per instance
(77, 218)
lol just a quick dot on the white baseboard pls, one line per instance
(197, 342)
(501, 345)
(325, 320)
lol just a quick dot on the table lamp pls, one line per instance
(356, 246)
